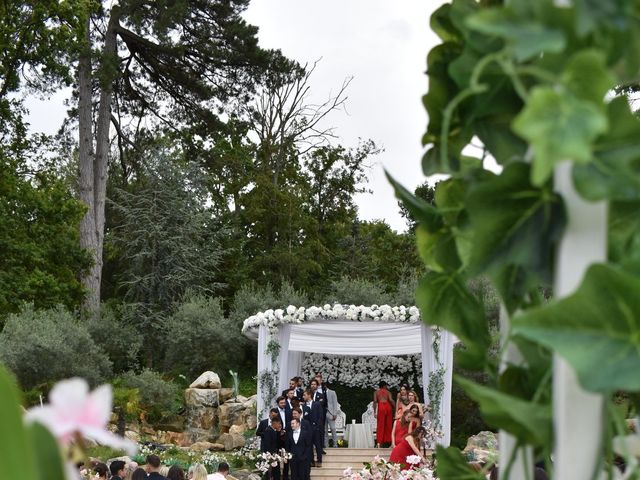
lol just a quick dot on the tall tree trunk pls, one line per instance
(88, 238)
(94, 168)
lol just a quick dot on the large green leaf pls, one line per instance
(515, 227)
(438, 249)
(529, 422)
(451, 465)
(587, 76)
(597, 329)
(614, 172)
(559, 126)
(50, 465)
(624, 235)
(16, 456)
(440, 23)
(524, 36)
(445, 300)
(427, 215)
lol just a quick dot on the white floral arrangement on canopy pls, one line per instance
(273, 318)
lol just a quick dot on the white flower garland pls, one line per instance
(272, 319)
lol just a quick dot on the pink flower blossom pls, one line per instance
(72, 410)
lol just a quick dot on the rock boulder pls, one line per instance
(207, 380)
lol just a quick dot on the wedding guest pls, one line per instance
(414, 415)
(401, 428)
(410, 445)
(298, 414)
(299, 445)
(263, 424)
(175, 473)
(293, 383)
(139, 474)
(272, 443)
(199, 472)
(291, 397)
(300, 388)
(118, 470)
(402, 400)
(221, 474)
(312, 411)
(129, 469)
(164, 471)
(101, 471)
(383, 405)
(153, 468)
(330, 417)
(285, 416)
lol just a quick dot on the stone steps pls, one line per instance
(337, 460)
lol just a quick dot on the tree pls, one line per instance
(423, 191)
(40, 254)
(133, 59)
(165, 239)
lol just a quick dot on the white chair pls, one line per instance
(341, 421)
(369, 418)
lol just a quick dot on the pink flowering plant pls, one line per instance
(380, 469)
(43, 443)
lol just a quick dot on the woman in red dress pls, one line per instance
(383, 410)
(409, 446)
(401, 427)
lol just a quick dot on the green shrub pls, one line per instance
(198, 337)
(158, 397)
(356, 291)
(43, 346)
(114, 330)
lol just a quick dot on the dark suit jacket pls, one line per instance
(271, 441)
(299, 391)
(313, 414)
(320, 396)
(262, 426)
(301, 451)
(288, 415)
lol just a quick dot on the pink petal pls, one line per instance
(68, 397)
(97, 409)
(47, 416)
(105, 437)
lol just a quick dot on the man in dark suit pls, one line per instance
(297, 414)
(312, 412)
(298, 444)
(293, 383)
(262, 426)
(285, 415)
(299, 387)
(272, 442)
(320, 395)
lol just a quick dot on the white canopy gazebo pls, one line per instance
(285, 335)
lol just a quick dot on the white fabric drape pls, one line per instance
(356, 338)
(263, 359)
(284, 334)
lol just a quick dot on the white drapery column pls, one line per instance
(284, 334)
(263, 362)
(431, 364)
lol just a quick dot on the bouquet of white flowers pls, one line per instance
(267, 461)
(379, 469)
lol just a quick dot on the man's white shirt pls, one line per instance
(296, 435)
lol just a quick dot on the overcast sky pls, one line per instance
(382, 44)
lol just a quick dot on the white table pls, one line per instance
(359, 435)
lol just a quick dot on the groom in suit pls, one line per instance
(312, 412)
(272, 443)
(299, 445)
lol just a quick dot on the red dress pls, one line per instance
(400, 453)
(385, 422)
(400, 432)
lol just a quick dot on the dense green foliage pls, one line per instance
(534, 82)
(157, 396)
(42, 346)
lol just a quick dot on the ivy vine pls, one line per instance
(536, 84)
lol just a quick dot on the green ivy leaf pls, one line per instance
(440, 22)
(16, 456)
(524, 36)
(515, 227)
(427, 215)
(451, 465)
(445, 300)
(587, 76)
(614, 172)
(593, 13)
(624, 235)
(438, 249)
(560, 127)
(50, 465)
(597, 329)
(529, 422)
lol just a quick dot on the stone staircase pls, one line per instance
(337, 460)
